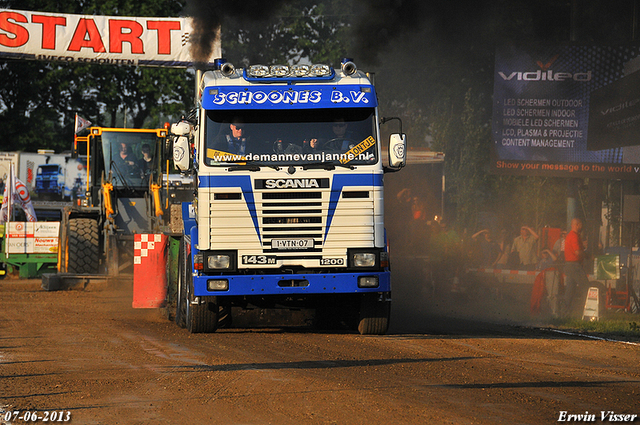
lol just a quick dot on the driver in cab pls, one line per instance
(235, 141)
(126, 159)
(339, 139)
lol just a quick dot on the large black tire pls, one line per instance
(225, 320)
(201, 316)
(181, 293)
(83, 246)
(197, 314)
(374, 315)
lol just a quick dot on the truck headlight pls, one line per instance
(364, 259)
(218, 261)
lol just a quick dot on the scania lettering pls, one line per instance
(290, 183)
(288, 199)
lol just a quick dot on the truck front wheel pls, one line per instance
(197, 314)
(374, 314)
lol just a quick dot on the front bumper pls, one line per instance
(294, 284)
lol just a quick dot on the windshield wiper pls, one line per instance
(327, 166)
(324, 165)
(250, 167)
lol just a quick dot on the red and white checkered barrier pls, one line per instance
(149, 270)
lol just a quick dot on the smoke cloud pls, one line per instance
(377, 24)
(209, 15)
(383, 21)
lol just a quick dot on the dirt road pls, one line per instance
(88, 353)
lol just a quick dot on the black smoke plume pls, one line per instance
(380, 22)
(209, 15)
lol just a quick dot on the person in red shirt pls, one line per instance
(576, 279)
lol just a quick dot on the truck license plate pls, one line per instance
(292, 243)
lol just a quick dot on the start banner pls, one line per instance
(114, 40)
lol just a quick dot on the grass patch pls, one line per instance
(612, 324)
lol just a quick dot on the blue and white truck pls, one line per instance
(288, 198)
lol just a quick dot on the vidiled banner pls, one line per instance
(114, 40)
(568, 111)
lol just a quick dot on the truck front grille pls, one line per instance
(298, 212)
(252, 222)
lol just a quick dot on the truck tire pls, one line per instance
(181, 293)
(199, 314)
(225, 320)
(83, 246)
(205, 317)
(374, 315)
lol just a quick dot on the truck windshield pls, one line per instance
(291, 137)
(130, 156)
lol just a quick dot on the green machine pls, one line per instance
(25, 255)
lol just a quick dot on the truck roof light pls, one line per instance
(258, 70)
(299, 70)
(320, 70)
(279, 70)
(276, 72)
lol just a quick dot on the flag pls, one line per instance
(81, 124)
(16, 192)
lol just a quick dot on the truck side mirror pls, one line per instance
(181, 153)
(397, 150)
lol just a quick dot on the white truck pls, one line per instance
(288, 205)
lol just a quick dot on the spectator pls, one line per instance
(525, 246)
(547, 259)
(504, 248)
(576, 280)
(558, 247)
(487, 248)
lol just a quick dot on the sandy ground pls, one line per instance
(90, 356)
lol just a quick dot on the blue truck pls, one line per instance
(50, 181)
